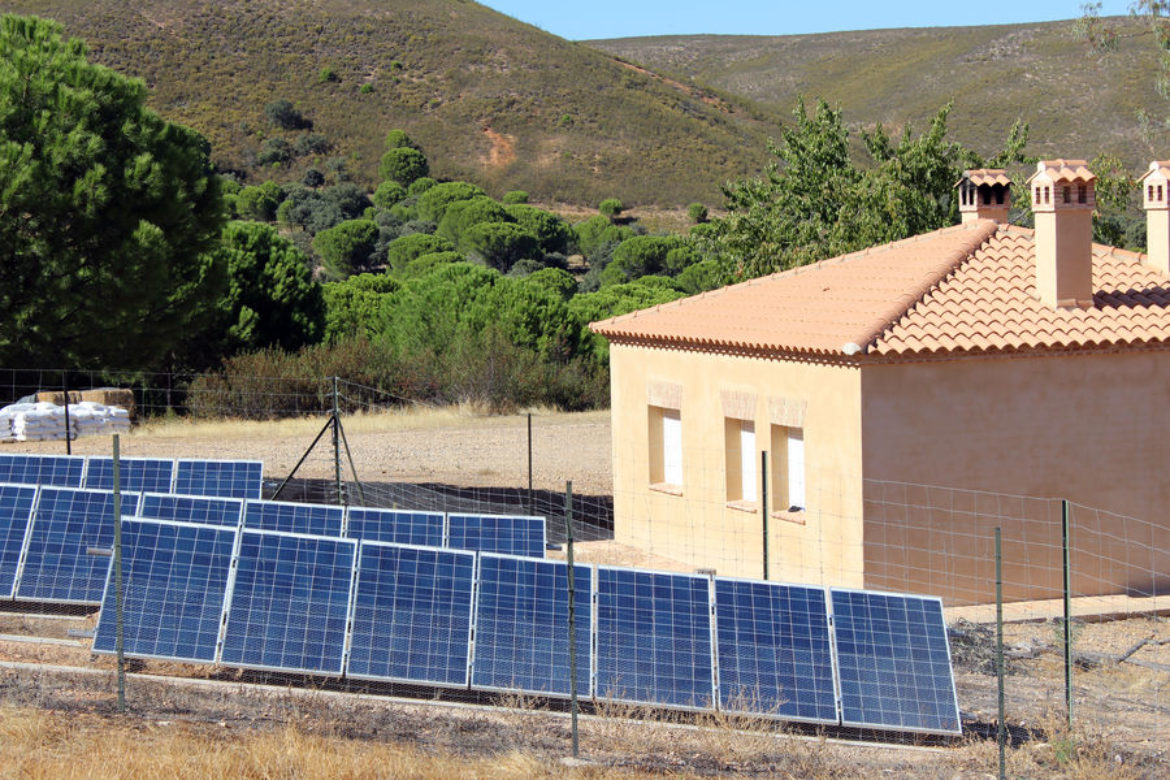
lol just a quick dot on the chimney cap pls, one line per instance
(985, 176)
(1062, 171)
(1161, 167)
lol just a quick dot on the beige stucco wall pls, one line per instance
(699, 527)
(1093, 428)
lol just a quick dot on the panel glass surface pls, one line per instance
(174, 578)
(412, 614)
(774, 650)
(654, 638)
(522, 625)
(56, 470)
(508, 534)
(205, 510)
(16, 502)
(66, 523)
(289, 605)
(315, 519)
(396, 525)
(228, 478)
(894, 662)
(140, 474)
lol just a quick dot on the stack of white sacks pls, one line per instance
(44, 421)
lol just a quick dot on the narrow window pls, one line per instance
(788, 468)
(740, 440)
(665, 431)
(1082, 193)
(1159, 193)
(1066, 194)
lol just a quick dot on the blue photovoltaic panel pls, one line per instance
(289, 607)
(314, 519)
(894, 662)
(56, 470)
(522, 625)
(174, 579)
(396, 525)
(141, 474)
(412, 614)
(654, 638)
(511, 535)
(66, 523)
(774, 650)
(16, 502)
(206, 510)
(228, 478)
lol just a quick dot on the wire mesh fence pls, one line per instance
(885, 536)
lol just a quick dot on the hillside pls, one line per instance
(1078, 104)
(489, 98)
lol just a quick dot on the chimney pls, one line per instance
(1155, 184)
(1063, 200)
(985, 193)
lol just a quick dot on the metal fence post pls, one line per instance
(1064, 533)
(1001, 729)
(572, 614)
(119, 640)
(764, 505)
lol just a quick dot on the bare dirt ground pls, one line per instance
(1121, 684)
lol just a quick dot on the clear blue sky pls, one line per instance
(578, 20)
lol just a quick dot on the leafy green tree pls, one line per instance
(515, 196)
(463, 215)
(313, 178)
(275, 150)
(424, 264)
(388, 194)
(697, 213)
(499, 244)
(611, 208)
(419, 186)
(283, 114)
(433, 203)
(271, 301)
(404, 249)
(554, 234)
(398, 139)
(597, 232)
(814, 201)
(346, 248)
(616, 300)
(310, 143)
(260, 202)
(648, 255)
(107, 212)
(403, 165)
(357, 306)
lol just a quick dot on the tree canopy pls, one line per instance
(106, 211)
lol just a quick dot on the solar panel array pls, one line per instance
(400, 613)
(228, 478)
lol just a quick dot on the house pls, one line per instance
(980, 357)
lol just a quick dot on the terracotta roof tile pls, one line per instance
(980, 176)
(960, 289)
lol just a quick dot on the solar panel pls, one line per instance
(206, 510)
(412, 614)
(894, 662)
(774, 650)
(522, 625)
(314, 519)
(396, 526)
(289, 606)
(16, 503)
(56, 470)
(228, 478)
(174, 579)
(654, 638)
(509, 534)
(153, 474)
(66, 523)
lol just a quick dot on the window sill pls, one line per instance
(796, 518)
(668, 488)
(743, 506)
